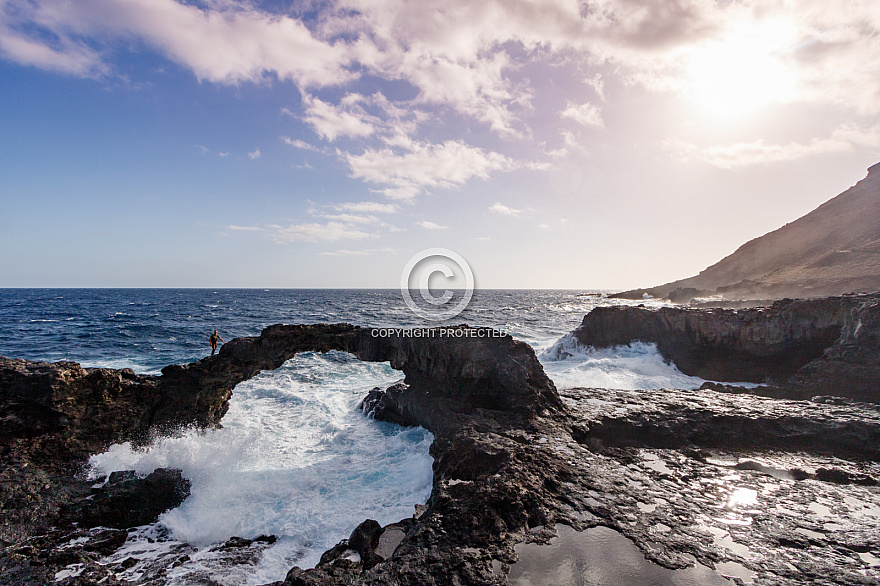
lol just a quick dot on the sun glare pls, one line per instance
(742, 72)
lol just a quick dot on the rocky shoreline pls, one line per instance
(760, 490)
(799, 347)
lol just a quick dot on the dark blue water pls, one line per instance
(146, 329)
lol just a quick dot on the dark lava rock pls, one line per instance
(686, 475)
(56, 415)
(684, 419)
(843, 477)
(128, 501)
(363, 540)
(804, 347)
(642, 463)
(60, 412)
(237, 542)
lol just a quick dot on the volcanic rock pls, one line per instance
(775, 490)
(128, 501)
(805, 347)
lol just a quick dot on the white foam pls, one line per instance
(295, 459)
(636, 366)
(118, 364)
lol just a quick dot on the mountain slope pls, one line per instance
(835, 249)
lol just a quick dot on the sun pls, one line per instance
(743, 71)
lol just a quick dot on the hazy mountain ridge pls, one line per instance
(833, 250)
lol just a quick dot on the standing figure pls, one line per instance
(215, 337)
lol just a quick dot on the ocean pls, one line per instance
(294, 458)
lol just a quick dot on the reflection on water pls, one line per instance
(742, 497)
(654, 462)
(600, 557)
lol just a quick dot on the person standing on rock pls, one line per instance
(215, 337)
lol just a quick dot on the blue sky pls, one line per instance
(553, 143)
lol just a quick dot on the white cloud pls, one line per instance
(859, 136)
(426, 165)
(461, 54)
(500, 208)
(367, 207)
(223, 155)
(364, 252)
(596, 82)
(331, 122)
(254, 154)
(399, 193)
(757, 152)
(462, 61)
(743, 154)
(70, 57)
(352, 218)
(587, 114)
(329, 232)
(837, 54)
(427, 225)
(227, 42)
(299, 144)
(311, 232)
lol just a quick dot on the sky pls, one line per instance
(604, 144)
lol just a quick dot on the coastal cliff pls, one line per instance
(804, 347)
(56, 415)
(833, 250)
(515, 460)
(65, 412)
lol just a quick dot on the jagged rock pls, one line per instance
(512, 458)
(843, 477)
(639, 462)
(62, 412)
(239, 542)
(363, 541)
(128, 501)
(676, 419)
(58, 414)
(802, 347)
(448, 370)
(79, 411)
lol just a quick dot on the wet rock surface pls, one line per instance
(756, 489)
(128, 501)
(750, 513)
(53, 416)
(56, 415)
(774, 512)
(91, 526)
(803, 347)
(704, 419)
